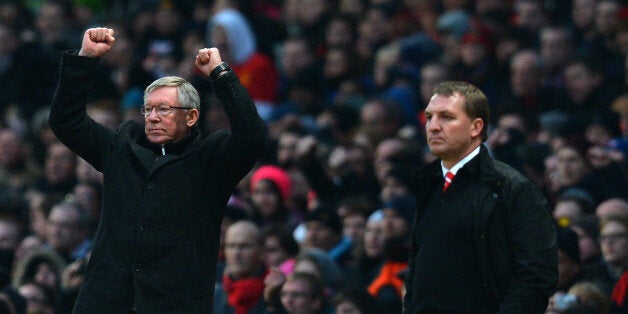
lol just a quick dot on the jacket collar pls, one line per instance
(147, 152)
(482, 166)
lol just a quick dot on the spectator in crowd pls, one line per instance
(588, 92)
(431, 74)
(354, 212)
(38, 298)
(88, 195)
(387, 284)
(341, 31)
(242, 286)
(69, 231)
(280, 248)
(318, 263)
(18, 170)
(19, 62)
(396, 183)
(303, 293)
(324, 231)
(574, 172)
(398, 215)
(231, 33)
(556, 48)
(612, 206)
(297, 58)
(613, 238)
(381, 118)
(530, 96)
(271, 197)
(590, 294)
(59, 170)
(507, 138)
(43, 267)
(592, 265)
(234, 212)
(570, 206)
(370, 256)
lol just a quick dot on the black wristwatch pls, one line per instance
(213, 75)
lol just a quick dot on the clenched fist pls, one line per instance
(97, 42)
(207, 59)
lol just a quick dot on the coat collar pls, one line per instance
(482, 166)
(149, 154)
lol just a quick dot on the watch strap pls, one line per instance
(213, 75)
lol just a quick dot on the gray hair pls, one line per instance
(187, 95)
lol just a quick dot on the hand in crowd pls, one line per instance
(72, 276)
(272, 283)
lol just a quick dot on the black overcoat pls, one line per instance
(159, 230)
(515, 238)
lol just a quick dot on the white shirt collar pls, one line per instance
(461, 163)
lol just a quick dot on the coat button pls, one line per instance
(138, 267)
(143, 226)
(151, 185)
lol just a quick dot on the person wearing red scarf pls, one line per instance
(241, 291)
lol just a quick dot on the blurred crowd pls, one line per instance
(322, 223)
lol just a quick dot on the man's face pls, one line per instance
(614, 243)
(169, 128)
(572, 166)
(64, 229)
(451, 134)
(320, 236)
(60, 163)
(524, 75)
(242, 253)
(394, 225)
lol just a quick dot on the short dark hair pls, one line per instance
(475, 104)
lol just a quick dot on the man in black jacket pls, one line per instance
(483, 240)
(165, 184)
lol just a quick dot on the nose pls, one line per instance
(152, 115)
(431, 125)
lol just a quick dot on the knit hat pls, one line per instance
(327, 215)
(567, 241)
(404, 206)
(277, 175)
(332, 276)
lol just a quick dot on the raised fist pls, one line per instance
(207, 59)
(97, 42)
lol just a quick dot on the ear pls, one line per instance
(477, 125)
(191, 117)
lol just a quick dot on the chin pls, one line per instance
(157, 140)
